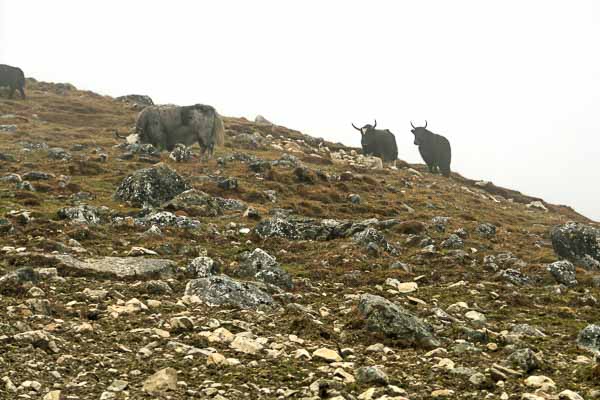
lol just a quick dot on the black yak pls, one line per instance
(166, 126)
(435, 150)
(379, 143)
(14, 78)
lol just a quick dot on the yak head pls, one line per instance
(421, 133)
(365, 129)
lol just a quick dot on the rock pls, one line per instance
(577, 243)
(259, 166)
(440, 223)
(476, 316)
(372, 235)
(118, 385)
(137, 100)
(395, 322)
(486, 230)
(120, 267)
(165, 218)
(538, 205)
(514, 276)
(327, 355)
(222, 290)
(151, 186)
(254, 141)
(181, 324)
(228, 183)
(564, 272)
(57, 153)
(371, 376)
(181, 153)
(161, 381)
(5, 226)
(37, 176)
(354, 198)
(158, 287)
(569, 395)
(540, 382)
(137, 251)
(525, 359)
(589, 338)
(38, 339)
(203, 267)
(246, 345)
(263, 267)
(442, 394)
(453, 242)
(259, 119)
(83, 214)
(526, 331)
(54, 395)
(8, 128)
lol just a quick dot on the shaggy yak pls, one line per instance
(14, 78)
(435, 149)
(166, 126)
(379, 143)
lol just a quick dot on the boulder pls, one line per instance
(136, 99)
(395, 322)
(263, 267)
(197, 203)
(181, 153)
(223, 290)
(161, 381)
(564, 272)
(577, 243)
(371, 376)
(589, 338)
(525, 359)
(57, 153)
(83, 214)
(372, 235)
(151, 186)
(120, 267)
(203, 267)
(453, 242)
(486, 230)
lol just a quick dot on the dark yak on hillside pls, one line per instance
(378, 142)
(435, 150)
(13, 78)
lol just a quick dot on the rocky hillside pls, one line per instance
(285, 267)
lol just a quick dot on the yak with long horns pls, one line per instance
(378, 142)
(435, 149)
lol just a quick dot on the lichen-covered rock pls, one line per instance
(5, 226)
(203, 267)
(395, 322)
(120, 267)
(223, 290)
(372, 235)
(525, 359)
(486, 230)
(503, 261)
(589, 338)
(440, 223)
(371, 376)
(181, 153)
(166, 218)
(198, 203)
(263, 267)
(577, 243)
(57, 153)
(37, 176)
(453, 242)
(564, 272)
(151, 186)
(514, 276)
(83, 214)
(136, 99)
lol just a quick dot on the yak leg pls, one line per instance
(22, 91)
(12, 92)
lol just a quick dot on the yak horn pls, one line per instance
(375, 124)
(358, 129)
(411, 124)
(425, 125)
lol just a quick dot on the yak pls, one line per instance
(435, 149)
(378, 142)
(166, 126)
(14, 78)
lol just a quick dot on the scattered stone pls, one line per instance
(577, 243)
(203, 267)
(371, 376)
(327, 355)
(246, 345)
(57, 153)
(589, 338)
(181, 153)
(161, 381)
(151, 186)
(453, 242)
(261, 266)
(121, 267)
(222, 290)
(525, 359)
(564, 272)
(486, 230)
(395, 322)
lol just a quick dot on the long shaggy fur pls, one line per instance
(166, 126)
(435, 150)
(14, 78)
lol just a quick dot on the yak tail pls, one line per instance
(218, 130)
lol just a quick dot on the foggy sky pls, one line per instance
(514, 85)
